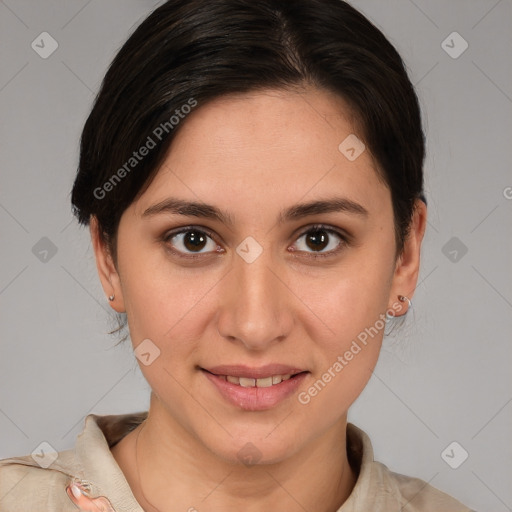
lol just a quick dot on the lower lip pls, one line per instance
(254, 398)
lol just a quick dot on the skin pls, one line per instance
(252, 156)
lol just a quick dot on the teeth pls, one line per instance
(265, 382)
(247, 383)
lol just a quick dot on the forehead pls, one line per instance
(268, 148)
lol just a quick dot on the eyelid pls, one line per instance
(184, 229)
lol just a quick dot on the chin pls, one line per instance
(255, 446)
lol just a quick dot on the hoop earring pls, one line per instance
(111, 297)
(392, 319)
(403, 298)
(392, 316)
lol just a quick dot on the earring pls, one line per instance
(390, 315)
(391, 318)
(403, 298)
(111, 297)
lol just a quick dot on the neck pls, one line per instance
(174, 471)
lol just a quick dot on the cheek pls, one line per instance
(157, 296)
(340, 382)
(349, 299)
(347, 352)
(172, 308)
(352, 309)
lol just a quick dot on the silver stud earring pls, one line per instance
(111, 297)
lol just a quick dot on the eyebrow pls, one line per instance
(203, 210)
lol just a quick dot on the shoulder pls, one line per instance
(379, 488)
(25, 485)
(416, 495)
(33, 483)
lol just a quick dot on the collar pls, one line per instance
(100, 471)
(103, 477)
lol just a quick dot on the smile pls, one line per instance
(256, 389)
(247, 382)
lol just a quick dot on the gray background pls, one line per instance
(446, 377)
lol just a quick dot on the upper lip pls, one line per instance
(255, 373)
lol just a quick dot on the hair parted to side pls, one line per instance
(188, 52)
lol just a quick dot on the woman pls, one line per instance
(251, 173)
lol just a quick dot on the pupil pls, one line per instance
(194, 240)
(319, 240)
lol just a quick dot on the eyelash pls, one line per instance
(344, 240)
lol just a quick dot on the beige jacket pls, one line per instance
(25, 486)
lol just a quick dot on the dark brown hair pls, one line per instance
(188, 52)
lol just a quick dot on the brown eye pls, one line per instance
(320, 239)
(191, 241)
(194, 240)
(317, 240)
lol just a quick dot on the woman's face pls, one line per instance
(222, 263)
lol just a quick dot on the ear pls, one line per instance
(107, 271)
(407, 266)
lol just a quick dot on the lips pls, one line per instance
(256, 388)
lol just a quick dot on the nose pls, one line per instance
(256, 304)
